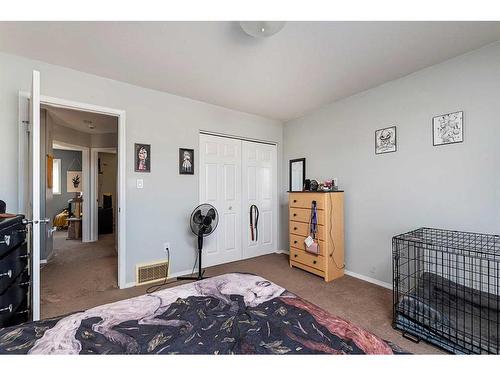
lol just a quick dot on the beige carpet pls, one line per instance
(77, 271)
(85, 276)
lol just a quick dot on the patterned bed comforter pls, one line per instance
(233, 313)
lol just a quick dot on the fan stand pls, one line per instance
(200, 271)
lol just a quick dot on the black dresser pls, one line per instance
(14, 272)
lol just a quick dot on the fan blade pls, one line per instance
(207, 229)
(198, 217)
(211, 213)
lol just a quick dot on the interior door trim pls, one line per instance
(222, 135)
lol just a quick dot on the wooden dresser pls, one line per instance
(329, 264)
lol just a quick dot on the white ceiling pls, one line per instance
(306, 65)
(78, 120)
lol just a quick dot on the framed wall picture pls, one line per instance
(385, 140)
(74, 181)
(448, 128)
(186, 161)
(142, 157)
(297, 174)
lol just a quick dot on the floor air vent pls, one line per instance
(149, 273)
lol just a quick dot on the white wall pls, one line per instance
(159, 212)
(453, 186)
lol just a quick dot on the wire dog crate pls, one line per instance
(446, 289)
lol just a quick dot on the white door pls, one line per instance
(33, 211)
(259, 166)
(220, 186)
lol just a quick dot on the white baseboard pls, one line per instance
(354, 274)
(282, 252)
(171, 276)
(369, 279)
(347, 272)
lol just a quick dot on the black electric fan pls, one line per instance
(204, 220)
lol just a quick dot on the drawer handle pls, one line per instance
(5, 309)
(314, 262)
(6, 240)
(295, 255)
(294, 214)
(295, 201)
(8, 273)
(295, 242)
(295, 228)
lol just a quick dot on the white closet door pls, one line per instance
(220, 185)
(259, 188)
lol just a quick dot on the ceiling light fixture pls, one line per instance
(262, 29)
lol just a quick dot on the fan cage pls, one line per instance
(204, 208)
(446, 289)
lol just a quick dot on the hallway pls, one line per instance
(77, 270)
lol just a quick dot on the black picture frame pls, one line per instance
(186, 161)
(433, 127)
(377, 150)
(142, 166)
(292, 161)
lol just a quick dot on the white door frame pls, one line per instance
(276, 207)
(94, 188)
(121, 220)
(86, 209)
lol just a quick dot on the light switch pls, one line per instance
(140, 183)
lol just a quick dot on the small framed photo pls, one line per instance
(142, 157)
(74, 181)
(385, 140)
(186, 161)
(448, 128)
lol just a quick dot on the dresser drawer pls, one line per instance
(11, 236)
(12, 265)
(14, 302)
(298, 243)
(302, 229)
(304, 215)
(304, 200)
(314, 261)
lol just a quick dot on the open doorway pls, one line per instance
(79, 256)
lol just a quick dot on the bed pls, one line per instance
(232, 313)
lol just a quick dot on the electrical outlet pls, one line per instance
(166, 247)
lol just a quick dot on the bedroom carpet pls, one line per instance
(360, 302)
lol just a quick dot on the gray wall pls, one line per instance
(60, 201)
(160, 212)
(453, 186)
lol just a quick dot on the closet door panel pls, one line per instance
(220, 165)
(259, 188)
